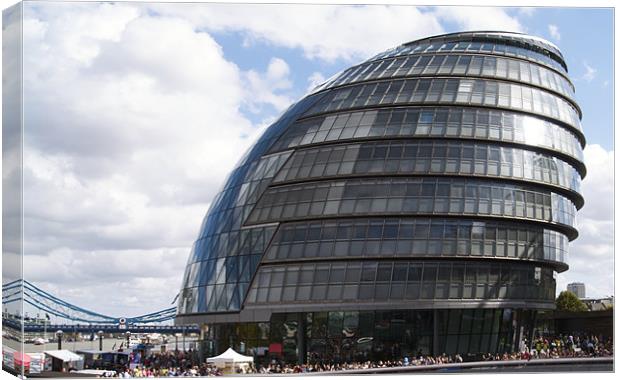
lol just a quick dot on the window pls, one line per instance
(426, 117)
(464, 91)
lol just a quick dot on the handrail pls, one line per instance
(453, 366)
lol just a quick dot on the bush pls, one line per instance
(568, 301)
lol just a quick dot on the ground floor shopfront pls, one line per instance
(347, 336)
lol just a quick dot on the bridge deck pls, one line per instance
(87, 328)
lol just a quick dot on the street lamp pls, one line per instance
(59, 337)
(127, 335)
(100, 333)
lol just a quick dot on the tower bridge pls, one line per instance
(78, 319)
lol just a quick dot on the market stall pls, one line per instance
(64, 360)
(21, 362)
(231, 362)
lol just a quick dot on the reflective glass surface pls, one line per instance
(433, 122)
(461, 183)
(381, 281)
(233, 204)
(412, 196)
(368, 335)
(479, 330)
(452, 91)
(457, 65)
(434, 157)
(220, 284)
(415, 237)
(528, 49)
(375, 335)
(531, 42)
(222, 233)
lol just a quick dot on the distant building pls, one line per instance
(598, 304)
(578, 289)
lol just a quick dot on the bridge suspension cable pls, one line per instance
(24, 291)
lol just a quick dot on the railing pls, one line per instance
(602, 363)
(107, 328)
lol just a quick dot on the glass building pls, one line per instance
(420, 202)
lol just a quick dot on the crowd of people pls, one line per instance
(189, 371)
(188, 364)
(562, 346)
(172, 359)
(167, 364)
(330, 367)
(565, 346)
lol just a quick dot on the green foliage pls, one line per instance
(568, 301)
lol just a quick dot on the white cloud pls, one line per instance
(264, 86)
(591, 255)
(324, 32)
(334, 32)
(134, 118)
(11, 153)
(526, 11)
(111, 282)
(131, 128)
(480, 18)
(554, 31)
(590, 73)
(314, 80)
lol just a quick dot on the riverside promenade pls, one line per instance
(596, 364)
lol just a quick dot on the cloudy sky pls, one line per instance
(136, 112)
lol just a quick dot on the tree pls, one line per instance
(568, 301)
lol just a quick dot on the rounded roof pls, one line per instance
(495, 34)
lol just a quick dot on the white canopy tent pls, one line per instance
(230, 356)
(65, 359)
(230, 359)
(64, 355)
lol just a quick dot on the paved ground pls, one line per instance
(517, 366)
(533, 366)
(592, 367)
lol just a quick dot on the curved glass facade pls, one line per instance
(430, 187)
(416, 238)
(470, 65)
(476, 92)
(373, 282)
(412, 196)
(508, 44)
(435, 122)
(437, 157)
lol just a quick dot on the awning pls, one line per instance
(275, 348)
(230, 356)
(36, 362)
(91, 352)
(64, 355)
(21, 359)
